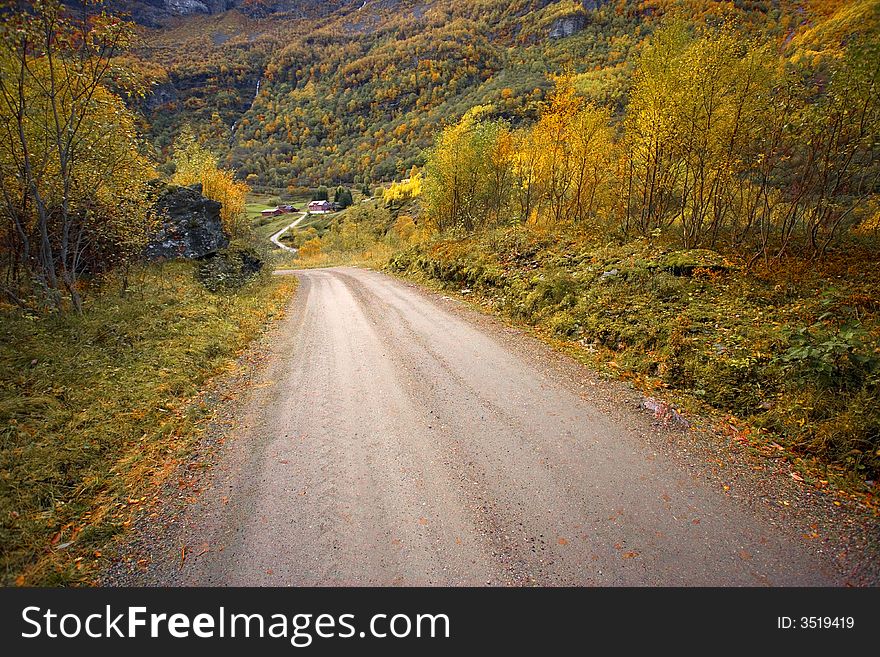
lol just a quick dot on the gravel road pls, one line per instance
(392, 439)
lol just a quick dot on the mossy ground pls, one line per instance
(96, 410)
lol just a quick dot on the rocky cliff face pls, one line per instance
(567, 25)
(190, 225)
(574, 23)
(153, 13)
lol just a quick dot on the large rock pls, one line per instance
(190, 225)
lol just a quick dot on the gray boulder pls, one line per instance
(190, 225)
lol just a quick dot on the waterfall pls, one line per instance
(235, 123)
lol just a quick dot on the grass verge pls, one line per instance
(374, 256)
(96, 410)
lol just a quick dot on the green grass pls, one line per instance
(789, 357)
(96, 410)
(374, 256)
(272, 225)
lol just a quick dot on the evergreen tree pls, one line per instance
(342, 197)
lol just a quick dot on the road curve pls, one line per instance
(393, 441)
(276, 238)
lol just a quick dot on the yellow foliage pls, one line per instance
(196, 164)
(406, 189)
(831, 24)
(310, 249)
(405, 228)
(871, 222)
(98, 182)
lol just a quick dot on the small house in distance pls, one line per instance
(281, 209)
(320, 206)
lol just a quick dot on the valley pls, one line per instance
(590, 296)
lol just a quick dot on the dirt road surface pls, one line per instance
(394, 439)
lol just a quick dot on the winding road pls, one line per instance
(395, 437)
(276, 238)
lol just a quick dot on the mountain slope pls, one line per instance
(291, 98)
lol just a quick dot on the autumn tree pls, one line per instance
(525, 166)
(839, 168)
(402, 192)
(464, 187)
(196, 164)
(727, 96)
(726, 144)
(566, 162)
(653, 171)
(703, 116)
(593, 163)
(554, 152)
(74, 184)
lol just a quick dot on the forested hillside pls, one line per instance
(360, 93)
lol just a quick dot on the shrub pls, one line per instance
(231, 268)
(841, 358)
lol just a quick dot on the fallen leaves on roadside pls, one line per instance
(630, 555)
(562, 541)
